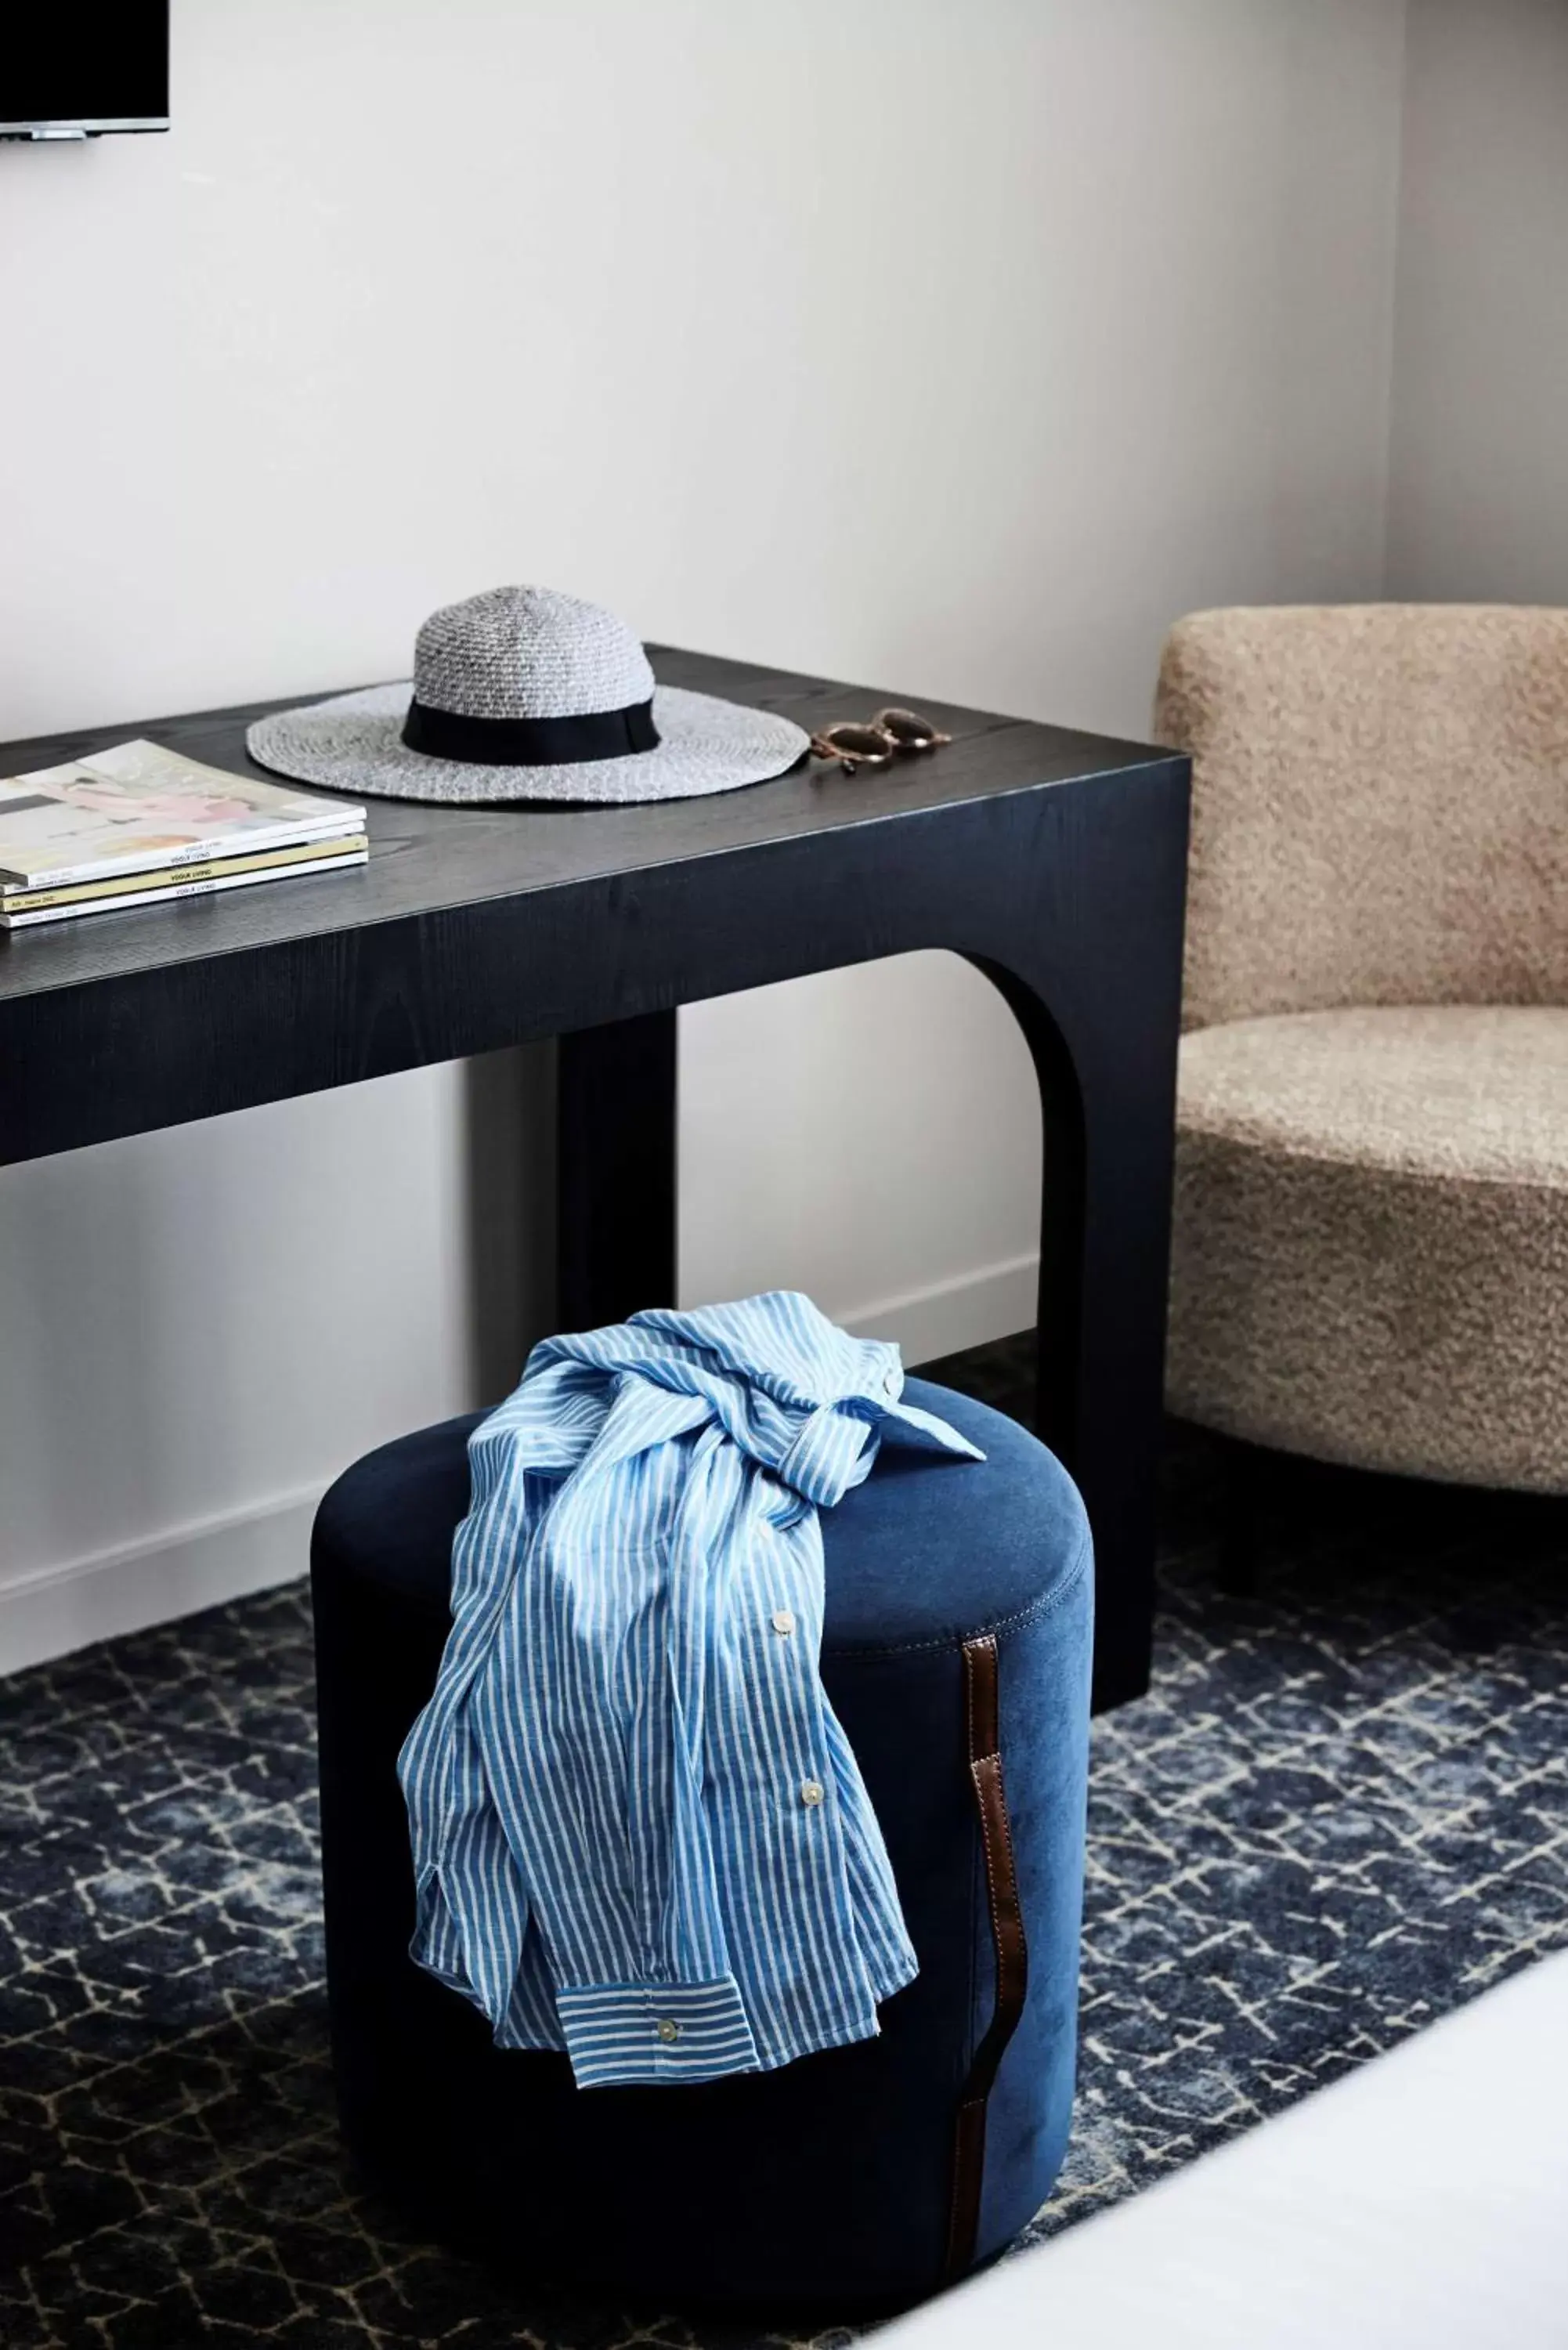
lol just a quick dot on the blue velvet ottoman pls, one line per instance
(958, 1622)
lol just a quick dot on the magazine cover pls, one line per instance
(140, 806)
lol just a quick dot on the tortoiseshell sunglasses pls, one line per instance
(876, 742)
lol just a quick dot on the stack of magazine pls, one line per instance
(138, 824)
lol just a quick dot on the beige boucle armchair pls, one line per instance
(1371, 1228)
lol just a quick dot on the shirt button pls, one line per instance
(669, 2031)
(783, 1621)
(811, 1793)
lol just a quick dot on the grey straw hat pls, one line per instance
(523, 694)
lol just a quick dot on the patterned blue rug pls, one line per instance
(1343, 1810)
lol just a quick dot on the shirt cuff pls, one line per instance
(618, 2033)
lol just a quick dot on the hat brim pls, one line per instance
(354, 743)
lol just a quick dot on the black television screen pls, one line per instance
(73, 72)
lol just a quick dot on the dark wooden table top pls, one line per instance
(427, 860)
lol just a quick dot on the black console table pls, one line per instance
(1054, 861)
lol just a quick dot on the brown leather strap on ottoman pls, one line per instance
(980, 1665)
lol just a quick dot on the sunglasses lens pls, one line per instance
(909, 731)
(858, 742)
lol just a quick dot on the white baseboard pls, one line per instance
(54, 1609)
(928, 1323)
(57, 1608)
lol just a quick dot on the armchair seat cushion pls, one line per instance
(1370, 1258)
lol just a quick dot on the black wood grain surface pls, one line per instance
(427, 860)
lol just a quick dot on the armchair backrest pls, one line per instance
(1380, 805)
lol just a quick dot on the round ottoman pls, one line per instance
(959, 1609)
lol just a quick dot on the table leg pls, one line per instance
(616, 1170)
(1102, 1359)
(1099, 1001)
(1103, 1240)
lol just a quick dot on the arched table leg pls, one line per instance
(1108, 1105)
(1107, 1113)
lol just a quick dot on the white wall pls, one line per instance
(956, 344)
(1479, 504)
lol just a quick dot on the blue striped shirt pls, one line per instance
(638, 1832)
